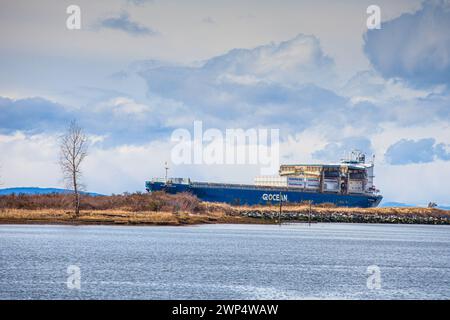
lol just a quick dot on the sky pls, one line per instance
(137, 70)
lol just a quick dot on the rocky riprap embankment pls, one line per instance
(334, 215)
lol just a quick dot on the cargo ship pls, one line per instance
(349, 183)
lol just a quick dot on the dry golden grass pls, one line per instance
(55, 216)
(217, 213)
(180, 209)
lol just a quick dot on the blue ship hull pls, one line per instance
(253, 195)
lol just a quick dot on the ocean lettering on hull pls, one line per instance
(274, 197)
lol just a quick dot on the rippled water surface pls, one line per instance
(293, 261)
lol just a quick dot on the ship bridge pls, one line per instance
(351, 176)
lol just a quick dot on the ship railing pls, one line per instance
(219, 185)
(172, 180)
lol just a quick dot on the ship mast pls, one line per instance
(166, 167)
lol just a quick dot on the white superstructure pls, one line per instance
(352, 175)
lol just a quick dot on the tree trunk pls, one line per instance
(76, 196)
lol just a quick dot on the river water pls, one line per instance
(294, 261)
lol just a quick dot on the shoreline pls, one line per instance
(107, 217)
(233, 215)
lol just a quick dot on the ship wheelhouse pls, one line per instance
(351, 176)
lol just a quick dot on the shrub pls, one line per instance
(136, 202)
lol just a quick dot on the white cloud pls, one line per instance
(29, 160)
(295, 61)
(291, 85)
(123, 106)
(32, 161)
(414, 47)
(368, 85)
(415, 183)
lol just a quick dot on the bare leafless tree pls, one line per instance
(73, 150)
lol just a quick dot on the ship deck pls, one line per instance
(272, 188)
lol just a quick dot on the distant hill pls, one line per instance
(397, 205)
(406, 205)
(36, 190)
